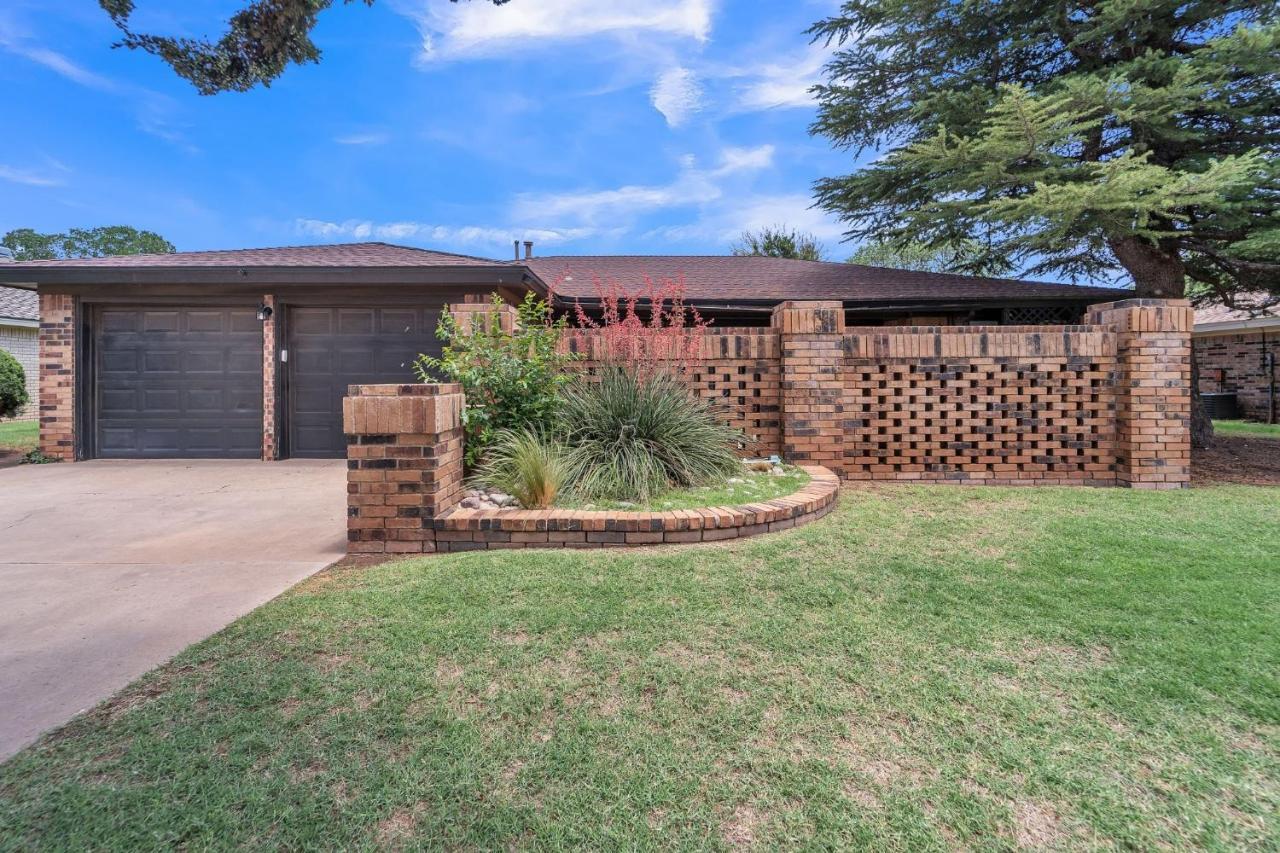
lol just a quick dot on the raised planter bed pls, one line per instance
(461, 529)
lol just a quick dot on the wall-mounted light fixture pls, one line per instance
(264, 312)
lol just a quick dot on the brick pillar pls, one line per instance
(1153, 393)
(813, 397)
(58, 376)
(270, 375)
(476, 307)
(404, 464)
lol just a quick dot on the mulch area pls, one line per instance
(9, 458)
(1237, 459)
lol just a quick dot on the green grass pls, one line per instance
(753, 487)
(924, 668)
(19, 435)
(1253, 429)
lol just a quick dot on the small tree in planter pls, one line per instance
(511, 379)
(13, 386)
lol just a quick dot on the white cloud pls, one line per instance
(370, 138)
(725, 223)
(153, 110)
(479, 28)
(62, 66)
(745, 159)
(436, 236)
(677, 95)
(785, 83)
(692, 186)
(29, 178)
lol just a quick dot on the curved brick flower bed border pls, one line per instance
(474, 529)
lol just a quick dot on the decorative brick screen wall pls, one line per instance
(1236, 361)
(994, 404)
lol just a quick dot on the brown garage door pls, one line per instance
(175, 382)
(331, 348)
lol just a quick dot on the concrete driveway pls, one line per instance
(110, 568)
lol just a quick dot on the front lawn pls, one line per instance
(1256, 429)
(924, 668)
(22, 436)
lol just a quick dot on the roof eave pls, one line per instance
(500, 274)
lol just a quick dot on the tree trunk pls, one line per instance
(1158, 273)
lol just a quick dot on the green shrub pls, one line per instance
(13, 385)
(630, 437)
(526, 464)
(512, 380)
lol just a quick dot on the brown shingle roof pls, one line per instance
(19, 304)
(730, 278)
(336, 255)
(1250, 310)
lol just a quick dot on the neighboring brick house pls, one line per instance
(245, 354)
(19, 336)
(1237, 351)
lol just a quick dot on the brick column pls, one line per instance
(58, 376)
(813, 397)
(481, 309)
(404, 464)
(1153, 393)
(270, 374)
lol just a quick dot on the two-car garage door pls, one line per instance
(186, 382)
(177, 382)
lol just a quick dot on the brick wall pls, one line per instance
(739, 370)
(994, 404)
(270, 385)
(404, 464)
(23, 344)
(58, 375)
(1233, 361)
(1102, 403)
(1153, 400)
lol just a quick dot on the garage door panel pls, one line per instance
(178, 382)
(155, 361)
(310, 321)
(355, 322)
(160, 321)
(360, 346)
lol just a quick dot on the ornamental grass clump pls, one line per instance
(526, 464)
(632, 436)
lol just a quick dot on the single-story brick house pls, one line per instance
(19, 330)
(1237, 351)
(246, 353)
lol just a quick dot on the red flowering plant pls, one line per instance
(665, 341)
(636, 427)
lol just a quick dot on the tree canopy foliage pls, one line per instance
(261, 41)
(28, 244)
(967, 257)
(779, 241)
(1075, 138)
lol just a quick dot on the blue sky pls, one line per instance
(645, 126)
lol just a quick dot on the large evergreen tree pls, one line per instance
(1078, 137)
(261, 41)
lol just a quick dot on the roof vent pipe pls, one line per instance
(515, 244)
(528, 249)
